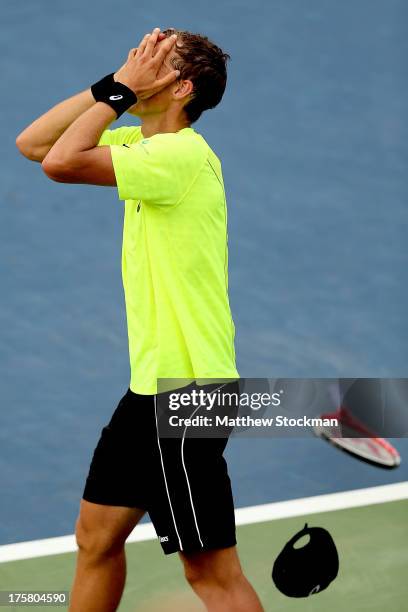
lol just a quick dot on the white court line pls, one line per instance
(244, 516)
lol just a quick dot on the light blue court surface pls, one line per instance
(313, 137)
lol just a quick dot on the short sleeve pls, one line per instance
(158, 170)
(120, 136)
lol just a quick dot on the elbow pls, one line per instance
(55, 169)
(23, 146)
(51, 169)
(26, 148)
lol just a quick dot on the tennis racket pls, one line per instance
(353, 437)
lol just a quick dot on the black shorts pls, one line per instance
(182, 482)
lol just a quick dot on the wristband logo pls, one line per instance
(115, 97)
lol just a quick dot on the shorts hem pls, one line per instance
(106, 501)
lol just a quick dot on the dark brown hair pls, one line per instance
(205, 65)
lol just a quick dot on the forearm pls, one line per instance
(76, 156)
(83, 134)
(39, 137)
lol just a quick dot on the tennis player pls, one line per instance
(174, 266)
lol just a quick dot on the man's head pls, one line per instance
(202, 80)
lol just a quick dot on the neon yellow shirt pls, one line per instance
(174, 257)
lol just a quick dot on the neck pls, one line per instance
(161, 124)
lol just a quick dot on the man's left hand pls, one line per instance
(141, 69)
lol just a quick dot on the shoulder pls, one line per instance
(185, 146)
(121, 135)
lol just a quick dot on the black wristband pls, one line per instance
(117, 95)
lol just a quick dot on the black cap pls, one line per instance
(300, 572)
